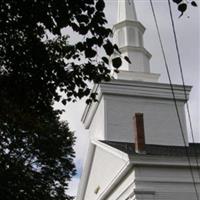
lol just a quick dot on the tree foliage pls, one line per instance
(37, 67)
(45, 66)
(182, 5)
(36, 155)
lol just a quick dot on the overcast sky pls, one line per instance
(188, 30)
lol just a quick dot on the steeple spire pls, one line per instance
(128, 35)
(126, 11)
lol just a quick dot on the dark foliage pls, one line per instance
(182, 5)
(41, 66)
(36, 155)
(37, 65)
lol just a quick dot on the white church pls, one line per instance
(137, 150)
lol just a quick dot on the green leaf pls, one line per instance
(117, 49)
(107, 78)
(64, 102)
(82, 18)
(88, 101)
(177, 1)
(193, 3)
(80, 46)
(117, 62)
(100, 5)
(90, 53)
(182, 8)
(87, 91)
(108, 48)
(127, 59)
(105, 60)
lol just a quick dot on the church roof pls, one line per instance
(193, 149)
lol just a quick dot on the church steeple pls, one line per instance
(126, 11)
(128, 35)
(133, 122)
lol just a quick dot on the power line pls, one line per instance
(183, 82)
(174, 99)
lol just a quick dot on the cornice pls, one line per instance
(138, 89)
(145, 90)
(129, 23)
(162, 161)
(134, 49)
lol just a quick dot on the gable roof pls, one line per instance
(129, 148)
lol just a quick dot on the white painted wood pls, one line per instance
(97, 128)
(86, 172)
(121, 99)
(104, 169)
(137, 76)
(151, 179)
(128, 35)
(110, 174)
(173, 182)
(126, 11)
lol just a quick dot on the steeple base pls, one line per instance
(137, 76)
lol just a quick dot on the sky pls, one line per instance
(188, 33)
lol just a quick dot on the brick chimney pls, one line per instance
(139, 135)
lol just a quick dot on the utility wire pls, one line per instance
(174, 99)
(183, 82)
